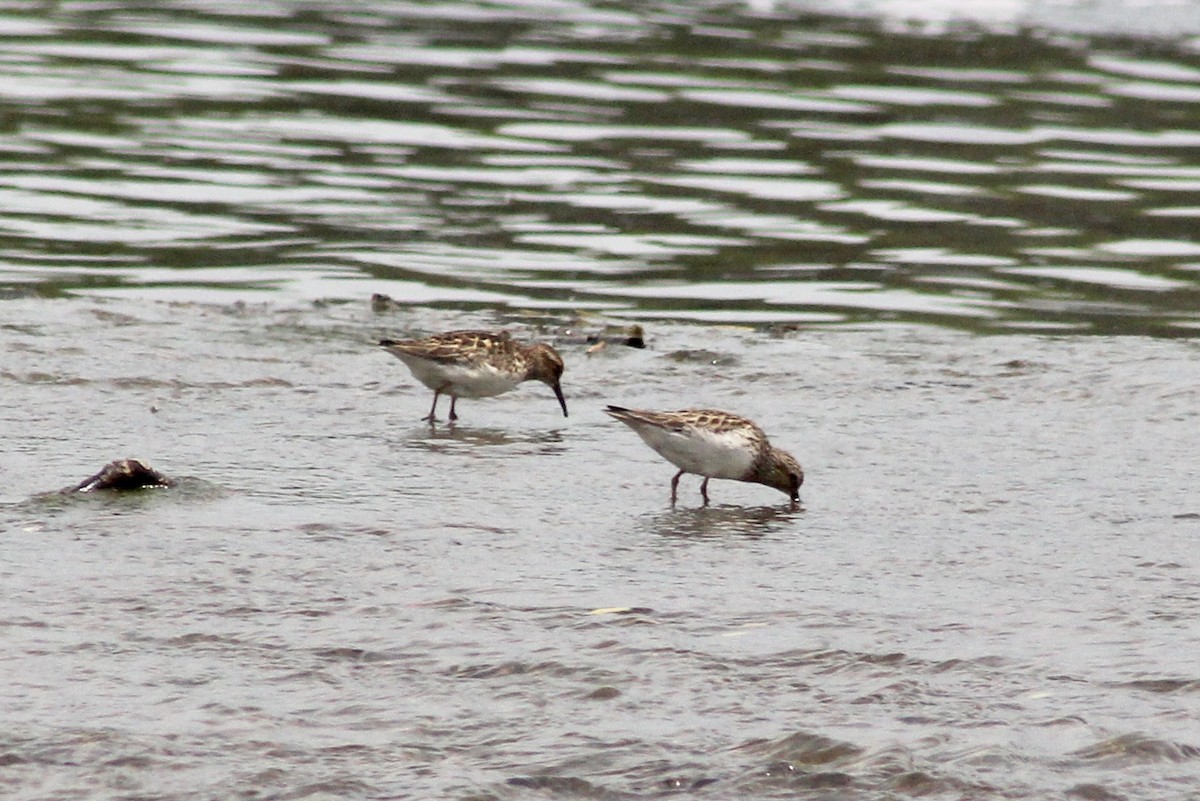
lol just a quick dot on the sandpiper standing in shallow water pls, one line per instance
(714, 444)
(476, 364)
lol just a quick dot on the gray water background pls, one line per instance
(949, 263)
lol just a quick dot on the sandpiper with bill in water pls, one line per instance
(476, 364)
(714, 444)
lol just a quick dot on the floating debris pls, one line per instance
(633, 336)
(122, 475)
(381, 303)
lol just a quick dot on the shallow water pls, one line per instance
(950, 264)
(990, 590)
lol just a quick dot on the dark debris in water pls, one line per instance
(122, 475)
(628, 336)
(381, 303)
(632, 337)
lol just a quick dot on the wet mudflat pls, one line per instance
(990, 590)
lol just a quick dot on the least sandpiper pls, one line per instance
(476, 364)
(714, 444)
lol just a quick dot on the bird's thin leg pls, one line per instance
(704, 490)
(453, 414)
(675, 487)
(437, 393)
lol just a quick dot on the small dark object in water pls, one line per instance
(122, 475)
(634, 337)
(381, 303)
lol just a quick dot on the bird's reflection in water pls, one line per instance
(451, 438)
(726, 520)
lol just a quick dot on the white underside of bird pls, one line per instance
(725, 454)
(475, 381)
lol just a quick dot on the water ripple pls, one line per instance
(567, 143)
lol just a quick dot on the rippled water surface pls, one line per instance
(704, 161)
(950, 263)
